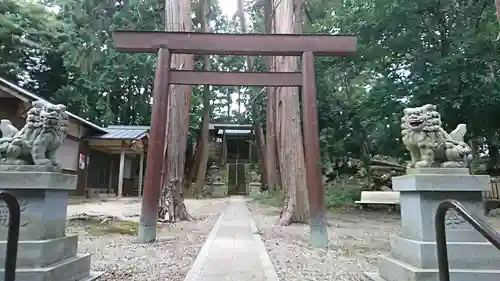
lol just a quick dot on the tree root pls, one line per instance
(286, 215)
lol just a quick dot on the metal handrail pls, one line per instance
(12, 235)
(442, 250)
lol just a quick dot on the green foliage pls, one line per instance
(25, 29)
(63, 50)
(105, 85)
(337, 197)
(409, 53)
(267, 198)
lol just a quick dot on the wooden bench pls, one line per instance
(390, 198)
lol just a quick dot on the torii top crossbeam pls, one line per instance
(235, 44)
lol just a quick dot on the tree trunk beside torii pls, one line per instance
(203, 145)
(288, 17)
(257, 128)
(172, 207)
(273, 177)
(497, 4)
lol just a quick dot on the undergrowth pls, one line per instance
(267, 198)
(115, 227)
(341, 197)
(336, 196)
(105, 225)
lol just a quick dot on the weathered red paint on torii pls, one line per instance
(168, 43)
(248, 44)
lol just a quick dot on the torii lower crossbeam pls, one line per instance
(168, 43)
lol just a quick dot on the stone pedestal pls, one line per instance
(254, 189)
(413, 252)
(219, 189)
(44, 252)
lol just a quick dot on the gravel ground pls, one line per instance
(170, 258)
(356, 240)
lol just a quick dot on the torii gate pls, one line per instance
(168, 43)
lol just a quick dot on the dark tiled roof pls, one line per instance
(234, 132)
(30, 96)
(213, 126)
(124, 133)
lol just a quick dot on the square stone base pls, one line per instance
(43, 201)
(45, 253)
(254, 189)
(219, 189)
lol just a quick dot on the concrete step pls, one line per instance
(41, 253)
(391, 269)
(93, 276)
(72, 269)
(464, 255)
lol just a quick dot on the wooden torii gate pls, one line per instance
(168, 43)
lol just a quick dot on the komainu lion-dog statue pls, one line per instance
(429, 144)
(37, 142)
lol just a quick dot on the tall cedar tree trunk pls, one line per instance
(172, 207)
(497, 4)
(271, 152)
(288, 125)
(194, 164)
(202, 167)
(259, 139)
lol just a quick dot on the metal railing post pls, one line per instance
(442, 251)
(12, 235)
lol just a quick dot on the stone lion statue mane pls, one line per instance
(37, 142)
(428, 143)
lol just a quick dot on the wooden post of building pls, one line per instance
(86, 153)
(120, 174)
(224, 148)
(251, 143)
(110, 180)
(141, 173)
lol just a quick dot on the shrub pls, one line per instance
(341, 197)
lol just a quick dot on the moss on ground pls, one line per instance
(114, 227)
(98, 225)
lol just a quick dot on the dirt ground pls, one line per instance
(356, 238)
(113, 248)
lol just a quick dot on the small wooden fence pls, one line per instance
(492, 194)
(492, 197)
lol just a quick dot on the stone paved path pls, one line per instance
(233, 250)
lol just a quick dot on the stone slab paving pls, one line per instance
(233, 250)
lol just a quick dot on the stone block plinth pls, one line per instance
(219, 189)
(44, 250)
(413, 252)
(254, 189)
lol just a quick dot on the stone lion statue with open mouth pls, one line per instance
(429, 144)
